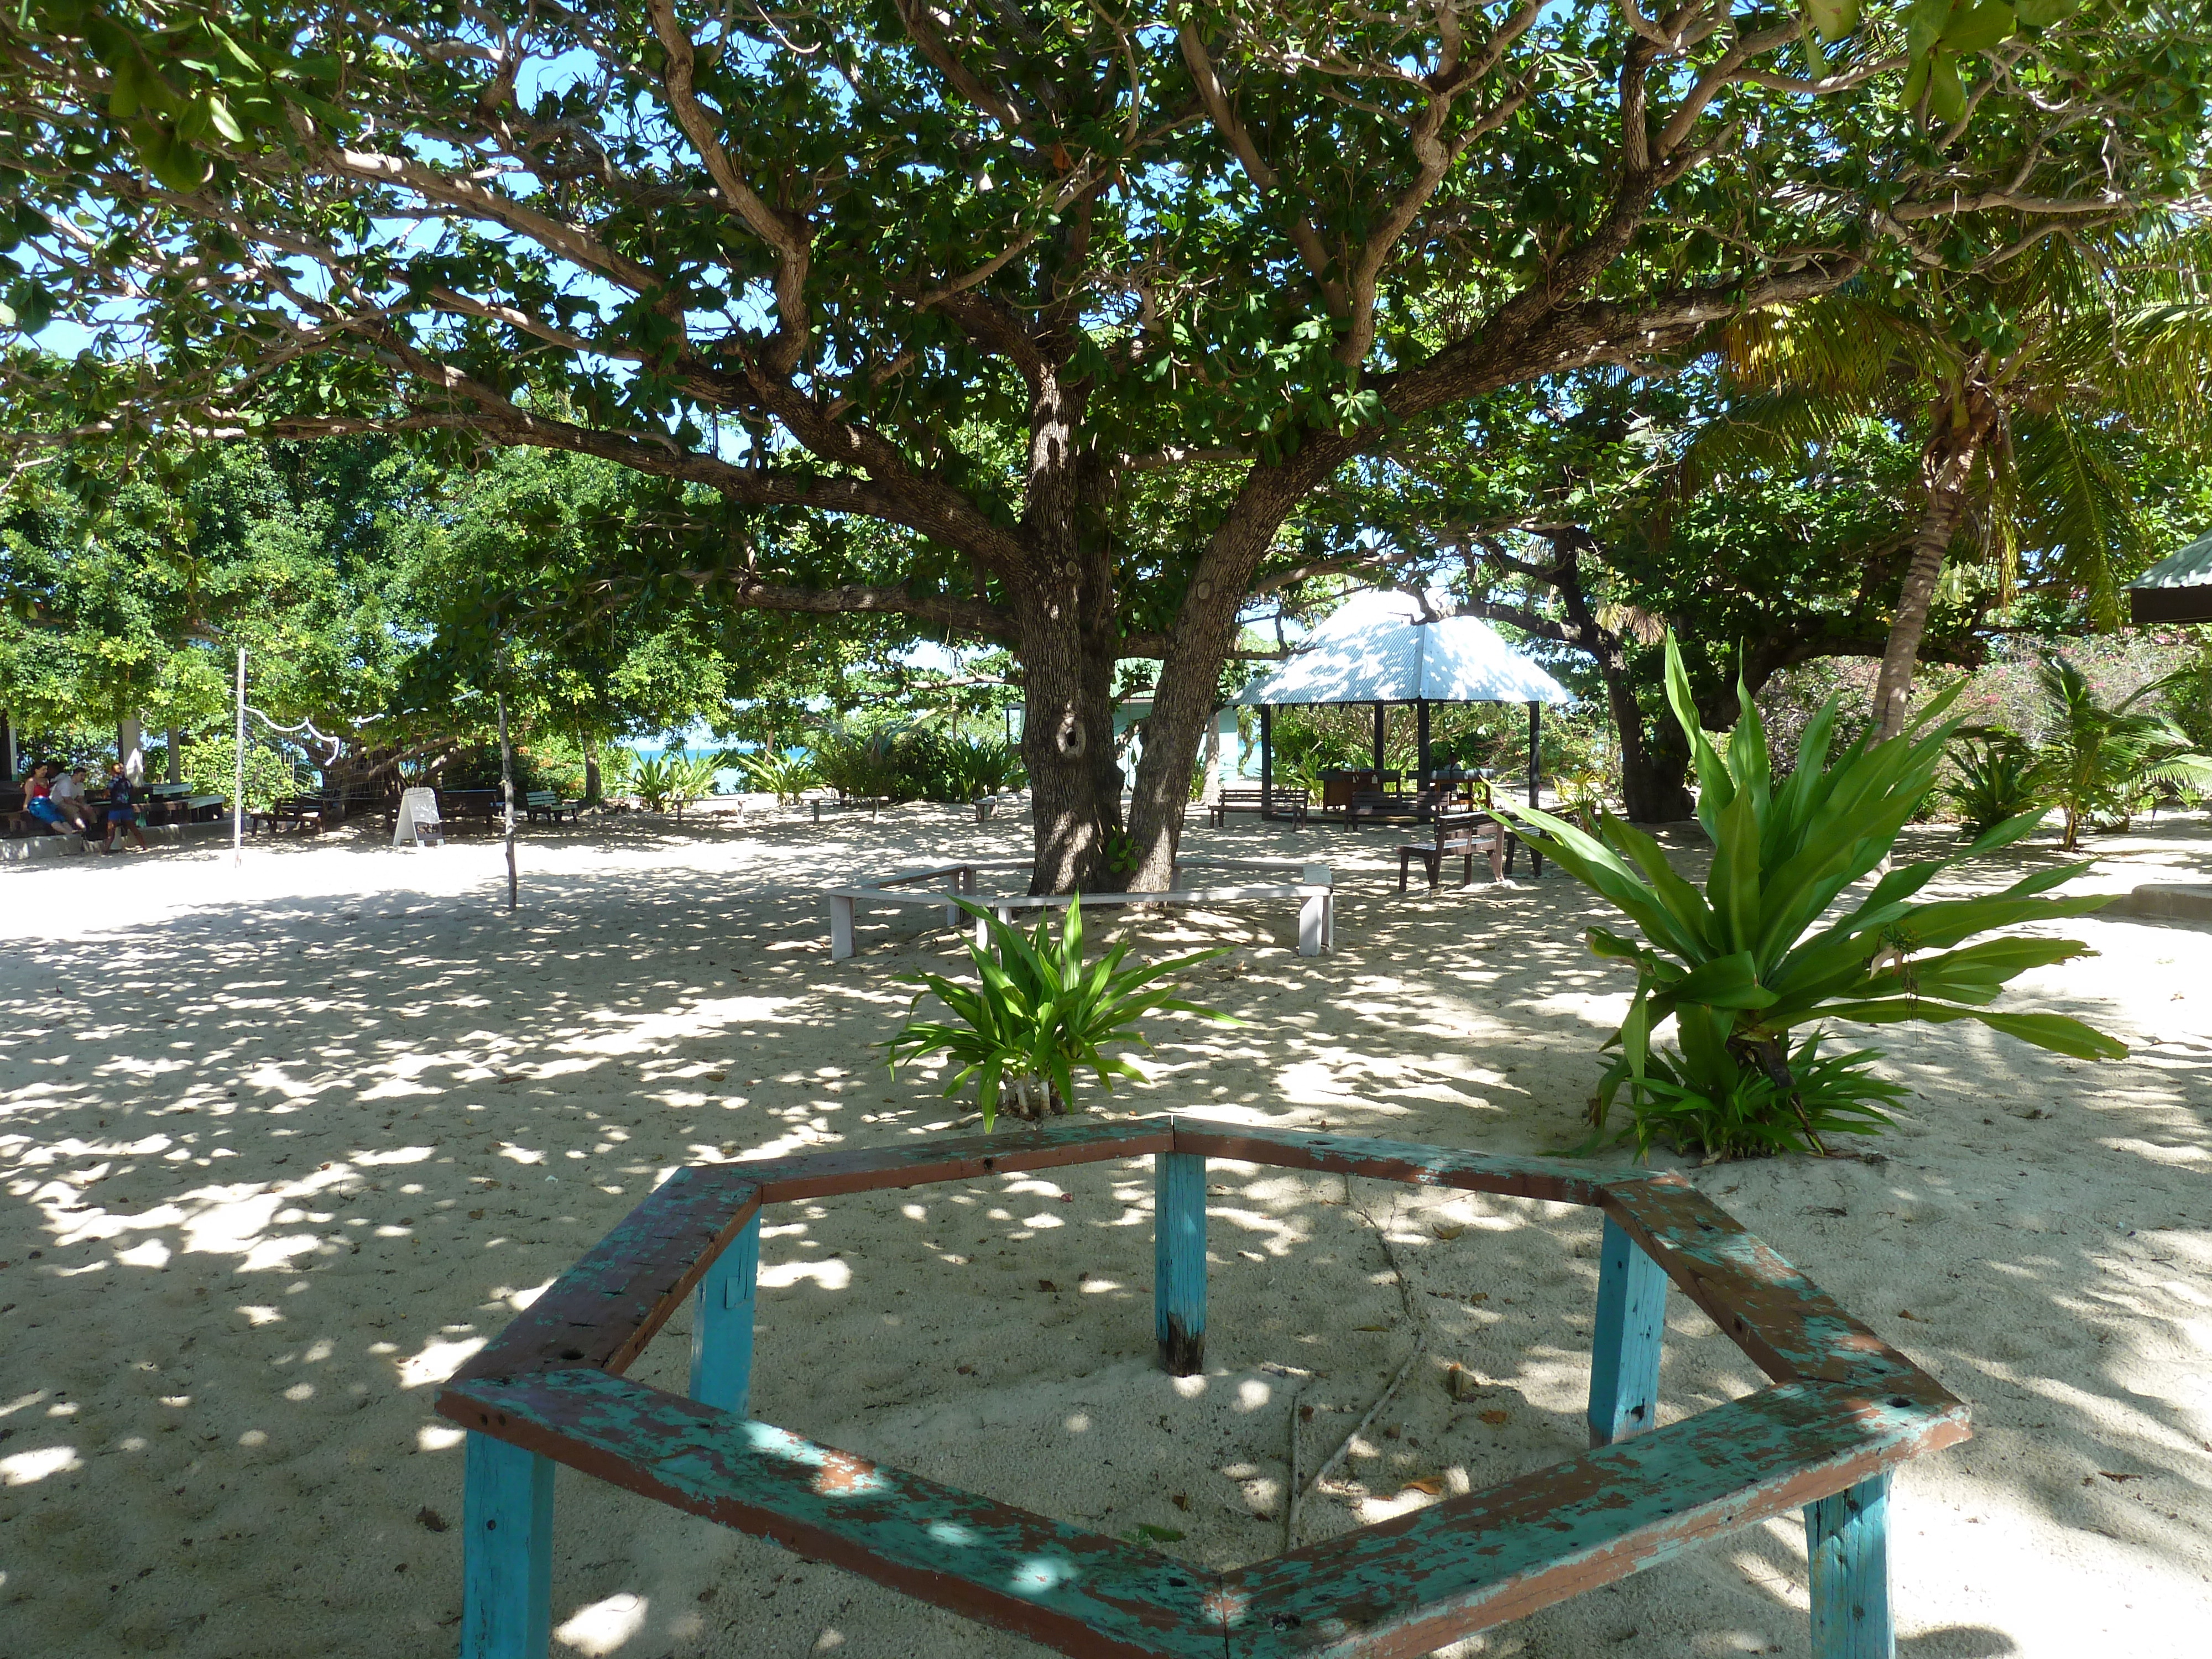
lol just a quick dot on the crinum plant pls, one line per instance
(1038, 1015)
(1762, 952)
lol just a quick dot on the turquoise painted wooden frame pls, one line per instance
(1843, 1411)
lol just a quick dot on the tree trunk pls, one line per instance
(1947, 468)
(1652, 791)
(1068, 744)
(592, 776)
(1653, 784)
(1068, 638)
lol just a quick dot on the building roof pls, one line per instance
(2178, 588)
(1375, 648)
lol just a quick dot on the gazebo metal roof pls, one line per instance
(2177, 589)
(1376, 648)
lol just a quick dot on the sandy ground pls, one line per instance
(282, 1145)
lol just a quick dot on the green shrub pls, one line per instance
(658, 782)
(1036, 1015)
(1995, 779)
(1741, 966)
(785, 776)
(210, 768)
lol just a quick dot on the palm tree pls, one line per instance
(2101, 761)
(2032, 379)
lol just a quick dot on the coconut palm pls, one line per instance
(2033, 381)
(2102, 762)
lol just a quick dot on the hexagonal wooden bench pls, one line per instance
(1843, 1410)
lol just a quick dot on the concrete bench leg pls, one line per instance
(840, 929)
(1312, 925)
(1179, 1261)
(506, 1572)
(722, 1326)
(1847, 1540)
(1631, 1323)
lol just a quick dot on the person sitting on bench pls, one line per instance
(39, 802)
(69, 799)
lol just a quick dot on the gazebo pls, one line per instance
(2177, 589)
(1383, 647)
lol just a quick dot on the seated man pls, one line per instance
(68, 798)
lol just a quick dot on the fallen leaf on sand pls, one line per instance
(2110, 1475)
(430, 1519)
(1447, 1229)
(1907, 1313)
(1495, 1419)
(1046, 1284)
(1430, 1484)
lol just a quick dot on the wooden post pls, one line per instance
(1266, 761)
(722, 1327)
(1179, 1261)
(1631, 1323)
(1381, 718)
(507, 789)
(1326, 877)
(1535, 736)
(238, 793)
(1421, 748)
(1847, 1542)
(1535, 776)
(507, 1570)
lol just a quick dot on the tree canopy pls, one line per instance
(1073, 306)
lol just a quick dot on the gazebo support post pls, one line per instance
(1535, 776)
(1382, 716)
(1266, 761)
(1421, 746)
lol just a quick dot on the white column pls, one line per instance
(130, 747)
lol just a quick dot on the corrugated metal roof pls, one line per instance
(2190, 567)
(1375, 649)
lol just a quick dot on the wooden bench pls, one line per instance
(1840, 1410)
(1316, 894)
(848, 803)
(1280, 802)
(301, 811)
(1461, 836)
(545, 801)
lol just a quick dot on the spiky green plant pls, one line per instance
(1036, 1015)
(1994, 778)
(785, 776)
(1742, 965)
(660, 782)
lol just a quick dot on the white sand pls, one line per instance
(288, 1143)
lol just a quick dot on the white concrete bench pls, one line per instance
(1316, 892)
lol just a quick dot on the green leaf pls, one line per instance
(1947, 94)
(1730, 982)
(1924, 23)
(1833, 19)
(1978, 26)
(2042, 13)
(1915, 80)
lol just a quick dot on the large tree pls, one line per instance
(982, 275)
